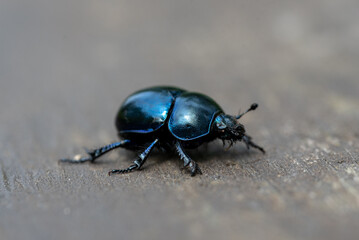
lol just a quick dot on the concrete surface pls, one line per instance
(65, 67)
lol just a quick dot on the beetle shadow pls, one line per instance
(216, 151)
(125, 156)
(208, 152)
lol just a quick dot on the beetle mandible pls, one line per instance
(170, 118)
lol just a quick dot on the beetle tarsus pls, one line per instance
(194, 168)
(137, 164)
(96, 153)
(127, 170)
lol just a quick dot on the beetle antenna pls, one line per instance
(252, 108)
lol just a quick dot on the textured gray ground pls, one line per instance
(65, 67)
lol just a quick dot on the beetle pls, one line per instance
(170, 118)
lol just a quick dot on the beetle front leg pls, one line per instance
(193, 166)
(248, 141)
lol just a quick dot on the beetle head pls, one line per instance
(228, 128)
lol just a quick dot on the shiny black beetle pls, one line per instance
(170, 118)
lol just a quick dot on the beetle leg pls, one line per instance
(94, 154)
(187, 160)
(248, 141)
(137, 164)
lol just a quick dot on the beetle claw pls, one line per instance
(194, 168)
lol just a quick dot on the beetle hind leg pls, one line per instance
(96, 153)
(193, 166)
(137, 164)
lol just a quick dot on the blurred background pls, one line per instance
(66, 66)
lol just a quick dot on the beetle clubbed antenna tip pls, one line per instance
(253, 106)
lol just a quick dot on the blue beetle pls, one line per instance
(170, 118)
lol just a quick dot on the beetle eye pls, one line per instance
(221, 125)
